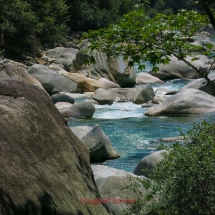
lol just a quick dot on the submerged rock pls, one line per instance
(44, 167)
(186, 102)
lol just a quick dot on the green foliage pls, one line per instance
(88, 14)
(153, 40)
(28, 22)
(183, 182)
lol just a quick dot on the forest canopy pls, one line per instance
(27, 24)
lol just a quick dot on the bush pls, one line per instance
(183, 183)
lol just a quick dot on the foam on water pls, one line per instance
(118, 110)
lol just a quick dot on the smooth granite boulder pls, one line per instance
(201, 84)
(145, 78)
(47, 76)
(106, 84)
(61, 97)
(84, 86)
(63, 56)
(137, 95)
(123, 74)
(81, 131)
(17, 71)
(61, 105)
(99, 145)
(45, 168)
(186, 102)
(79, 110)
(102, 97)
(179, 69)
(113, 187)
(148, 163)
(113, 69)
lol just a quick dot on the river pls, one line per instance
(131, 132)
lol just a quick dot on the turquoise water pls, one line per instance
(131, 132)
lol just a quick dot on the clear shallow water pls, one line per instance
(132, 132)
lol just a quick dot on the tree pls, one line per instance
(183, 182)
(24, 22)
(154, 40)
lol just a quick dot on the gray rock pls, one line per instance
(17, 71)
(81, 131)
(102, 97)
(178, 69)
(63, 56)
(137, 95)
(106, 84)
(145, 78)
(186, 102)
(201, 84)
(79, 110)
(99, 145)
(44, 167)
(123, 74)
(148, 163)
(114, 69)
(47, 76)
(62, 98)
(113, 187)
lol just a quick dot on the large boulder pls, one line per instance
(148, 163)
(201, 84)
(113, 185)
(122, 73)
(47, 76)
(98, 144)
(62, 97)
(63, 56)
(79, 110)
(145, 78)
(113, 69)
(137, 95)
(179, 69)
(45, 169)
(106, 84)
(81, 131)
(186, 102)
(84, 86)
(17, 71)
(102, 97)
